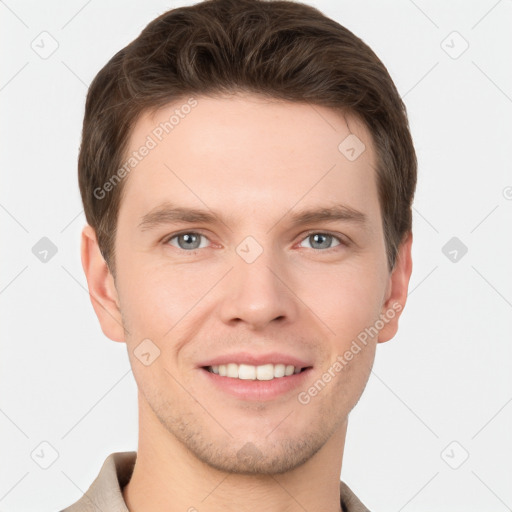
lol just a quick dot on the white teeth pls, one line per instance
(250, 372)
(288, 370)
(232, 370)
(246, 372)
(265, 372)
(279, 370)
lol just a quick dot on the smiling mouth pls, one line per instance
(251, 372)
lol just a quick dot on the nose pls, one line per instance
(259, 293)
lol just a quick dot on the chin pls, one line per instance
(256, 457)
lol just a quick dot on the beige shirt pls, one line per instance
(104, 494)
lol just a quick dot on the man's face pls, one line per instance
(253, 286)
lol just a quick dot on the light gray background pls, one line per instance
(445, 377)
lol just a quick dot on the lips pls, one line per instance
(256, 377)
(245, 358)
(256, 390)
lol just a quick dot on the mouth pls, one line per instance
(252, 372)
(262, 383)
(256, 377)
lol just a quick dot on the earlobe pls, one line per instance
(102, 290)
(397, 290)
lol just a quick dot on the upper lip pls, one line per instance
(256, 359)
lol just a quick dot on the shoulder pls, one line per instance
(105, 492)
(349, 501)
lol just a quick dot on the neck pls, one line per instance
(167, 474)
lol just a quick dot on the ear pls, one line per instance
(396, 292)
(102, 290)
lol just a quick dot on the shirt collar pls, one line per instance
(105, 493)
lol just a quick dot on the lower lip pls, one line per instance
(259, 390)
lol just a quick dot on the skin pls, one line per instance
(255, 161)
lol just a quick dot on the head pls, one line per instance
(254, 112)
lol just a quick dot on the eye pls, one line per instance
(188, 241)
(191, 241)
(319, 240)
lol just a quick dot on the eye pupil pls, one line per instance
(326, 240)
(189, 239)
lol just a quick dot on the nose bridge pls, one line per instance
(256, 292)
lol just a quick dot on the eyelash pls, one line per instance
(342, 242)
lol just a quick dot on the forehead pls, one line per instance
(249, 154)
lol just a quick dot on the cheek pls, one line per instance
(155, 297)
(347, 300)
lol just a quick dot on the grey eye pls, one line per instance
(321, 240)
(188, 241)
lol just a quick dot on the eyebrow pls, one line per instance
(169, 214)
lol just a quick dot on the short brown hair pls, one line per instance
(280, 49)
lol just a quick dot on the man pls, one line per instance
(247, 175)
